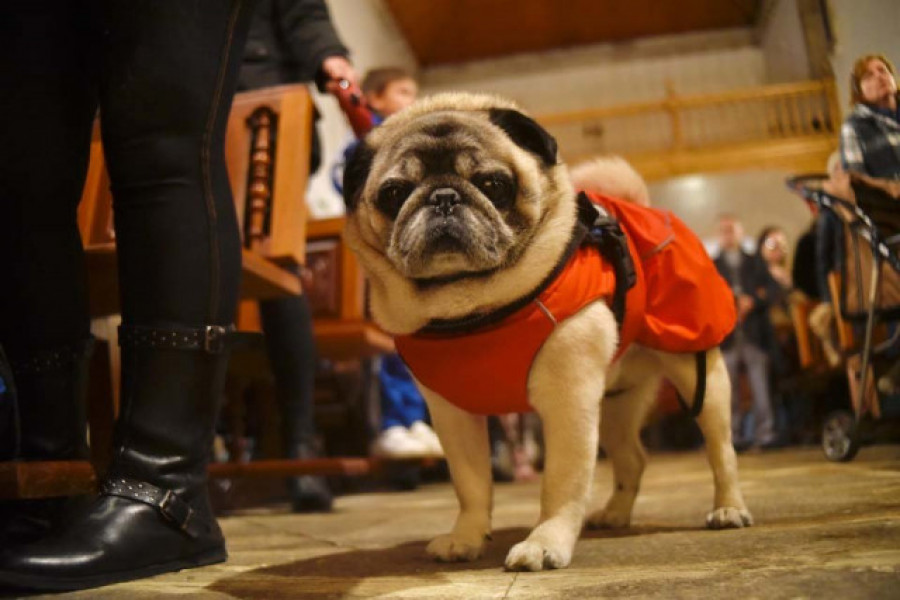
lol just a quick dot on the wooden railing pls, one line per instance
(699, 122)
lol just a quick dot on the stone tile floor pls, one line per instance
(823, 530)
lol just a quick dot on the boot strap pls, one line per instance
(173, 509)
(212, 339)
(62, 357)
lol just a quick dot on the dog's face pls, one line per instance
(452, 188)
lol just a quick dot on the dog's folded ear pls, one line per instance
(525, 132)
(356, 171)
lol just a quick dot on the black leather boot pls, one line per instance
(50, 425)
(309, 493)
(153, 514)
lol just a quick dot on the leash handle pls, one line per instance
(352, 102)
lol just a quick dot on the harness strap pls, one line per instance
(474, 322)
(605, 233)
(594, 226)
(699, 390)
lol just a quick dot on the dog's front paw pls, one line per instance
(535, 556)
(454, 547)
(608, 519)
(728, 517)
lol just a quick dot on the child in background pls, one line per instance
(388, 90)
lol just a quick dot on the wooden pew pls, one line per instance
(335, 286)
(267, 152)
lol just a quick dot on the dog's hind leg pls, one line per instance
(565, 387)
(464, 438)
(624, 411)
(729, 509)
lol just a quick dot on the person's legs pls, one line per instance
(168, 70)
(45, 55)
(395, 439)
(287, 325)
(757, 362)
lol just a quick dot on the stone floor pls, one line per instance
(823, 530)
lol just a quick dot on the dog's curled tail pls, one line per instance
(610, 175)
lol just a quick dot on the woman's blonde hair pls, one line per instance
(859, 69)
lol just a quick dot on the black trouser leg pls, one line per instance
(48, 103)
(45, 56)
(287, 324)
(167, 74)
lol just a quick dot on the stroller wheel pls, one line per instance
(840, 439)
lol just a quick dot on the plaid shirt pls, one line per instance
(870, 143)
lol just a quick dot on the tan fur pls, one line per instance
(570, 373)
(610, 175)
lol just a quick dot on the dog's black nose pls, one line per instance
(444, 200)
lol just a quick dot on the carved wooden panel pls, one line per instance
(258, 210)
(322, 277)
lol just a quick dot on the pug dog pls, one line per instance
(462, 216)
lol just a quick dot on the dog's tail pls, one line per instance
(610, 175)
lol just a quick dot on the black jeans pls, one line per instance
(162, 73)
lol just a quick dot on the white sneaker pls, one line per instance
(398, 442)
(425, 434)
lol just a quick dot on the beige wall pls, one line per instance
(758, 198)
(609, 74)
(783, 43)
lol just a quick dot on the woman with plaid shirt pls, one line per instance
(870, 136)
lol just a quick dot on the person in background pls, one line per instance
(772, 246)
(293, 41)
(870, 135)
(791, 404)
(388, 90)
(803, 268)
(748, 344)
(870, 146)
(163, 74)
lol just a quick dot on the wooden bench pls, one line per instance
(335, 287)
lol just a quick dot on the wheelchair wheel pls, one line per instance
(840, 436)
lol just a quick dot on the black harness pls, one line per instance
(594, 226)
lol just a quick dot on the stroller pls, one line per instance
(866, 298)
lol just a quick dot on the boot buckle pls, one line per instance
(214, 339)
(175, 510)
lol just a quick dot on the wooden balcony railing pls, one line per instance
(678, 125)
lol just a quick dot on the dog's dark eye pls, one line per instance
(498, 187)
(392, 195)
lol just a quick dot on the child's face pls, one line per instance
(396, 96)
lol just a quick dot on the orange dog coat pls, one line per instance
(679, 303)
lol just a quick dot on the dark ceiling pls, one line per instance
(454, 31)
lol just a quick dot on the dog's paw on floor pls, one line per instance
(729, 517)
(608, 519)
(535, 556)
(455, 548)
